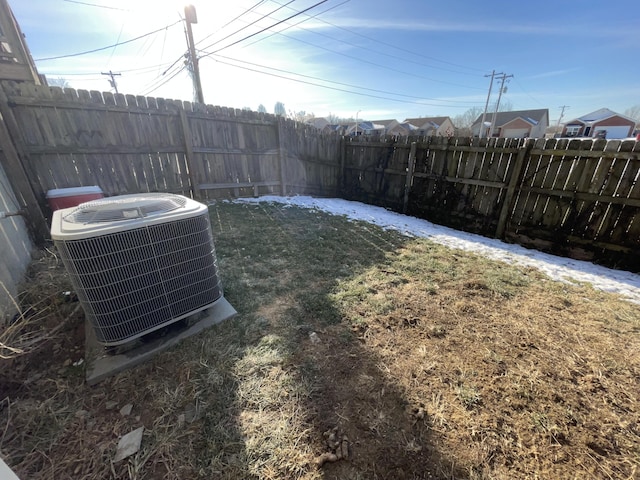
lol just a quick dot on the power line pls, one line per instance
(267, 28)
(232, 20)
(336, 82)
(109, 46)
(167, 80)
(528, 94)
(96, 5)
(341, 89)
(247, 26)
(309, 17)
(394, 46)
(160, 80)
(358, 59)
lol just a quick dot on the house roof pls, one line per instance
(432, 121)
(531, 116)
(318, 122)
(406, 126)
(601, 114)
(386, 123)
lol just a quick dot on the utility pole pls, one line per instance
(561, 115)
(486, 105)
(495, 111)
(189, 18)
(113, 83)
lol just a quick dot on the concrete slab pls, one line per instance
(6, 473)
(101, 364)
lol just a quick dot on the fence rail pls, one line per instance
(578, 198)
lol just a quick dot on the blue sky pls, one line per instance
(377, 59)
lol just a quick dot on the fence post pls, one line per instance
(17, 174)
(410, 169)
(281, 156)
(188, 148)
(514, 178)
(343, 159)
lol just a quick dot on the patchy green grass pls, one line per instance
(422, 361)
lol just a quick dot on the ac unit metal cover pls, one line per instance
(138, 262)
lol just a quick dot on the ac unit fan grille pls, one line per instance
(125, 207)
(136, 281)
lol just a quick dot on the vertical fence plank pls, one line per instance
(188, 145)
(514, 179)
(409, 179)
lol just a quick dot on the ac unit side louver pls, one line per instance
(138, 262)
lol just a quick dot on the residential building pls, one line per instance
(432, 126)
(514, 124)
(603, 123)
(365, 128)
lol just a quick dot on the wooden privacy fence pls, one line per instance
(131, 144)
(579, 198)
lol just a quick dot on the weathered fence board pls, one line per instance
(575, 197)
(128, 144)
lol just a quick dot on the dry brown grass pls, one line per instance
(433, 363)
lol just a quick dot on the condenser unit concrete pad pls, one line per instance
(100, 364)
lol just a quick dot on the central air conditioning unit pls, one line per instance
(138, 262)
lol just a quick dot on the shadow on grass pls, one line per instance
(284, 393)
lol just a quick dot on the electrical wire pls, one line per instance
(108, 46)
(139, 70)
(167, 80)
(164, 41)
(160, 80)
(266, 28)
(309, 17)
(340, 83)
(248, 25)
(527, 93)
(96, 5)
(117, 42)
(377, 52)
(231, 21)
(395, 46)
(341, 89)
(358, 59)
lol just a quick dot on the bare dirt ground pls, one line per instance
(357, 354)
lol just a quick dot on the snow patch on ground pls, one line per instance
(561, 269)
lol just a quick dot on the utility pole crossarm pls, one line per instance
(112, 82)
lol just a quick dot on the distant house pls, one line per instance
(514, 124)
(389, 124)
(403, 129)
(393, 127)
(432, 126)
(320, 123)
(365, 128)
(602, 123)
